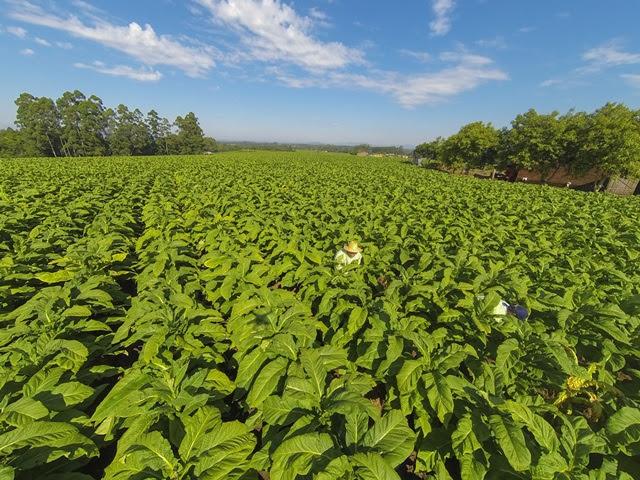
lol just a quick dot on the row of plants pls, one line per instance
(182, 318)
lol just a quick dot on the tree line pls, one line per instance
(75, 125)
(607, 140)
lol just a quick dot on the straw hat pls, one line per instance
(352, 247)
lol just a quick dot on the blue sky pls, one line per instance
(336, 71)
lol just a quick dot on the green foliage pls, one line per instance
(182, 318)
(611, 141)
(535, 142)
(77, 126)
(474, 145)
(606, 142)
(128, 133)
(190, 138)
(430, 150)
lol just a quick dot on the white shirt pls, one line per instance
(500, 311)
(342, 258)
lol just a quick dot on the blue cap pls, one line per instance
(520, 312)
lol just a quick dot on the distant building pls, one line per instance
(561, 176)
(622, 186)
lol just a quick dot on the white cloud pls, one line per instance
(527, 29)
(64, 45)
(17, 31)
(139, 42)
(467, 73)
(632, 79)
(42, 41)
(497, 42)
(318, 14)
(141, 75)
(272, 31)
(608, 55)
(551, 82)
(442, 10)
(417, 55)
(27, 52)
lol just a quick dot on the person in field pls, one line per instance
(348, 254)
(503, 309)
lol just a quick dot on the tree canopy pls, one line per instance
(473, 146)
(606, 141)
(75, 125)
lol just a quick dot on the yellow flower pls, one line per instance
(562, 397)
(576, 383)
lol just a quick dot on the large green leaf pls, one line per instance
(43, 434)
(371, 466)
(439, 395)
(224, 451)
(538, 426)
(511, 440)
(23, 411)
(391, 437)
(301, 454)
(409, 375)
(119, 397)
(267, 381)
(196, 428)
(623, 428)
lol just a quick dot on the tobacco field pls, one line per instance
(182, 318)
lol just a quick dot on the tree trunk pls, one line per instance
(546, 179)
(51, 145)
(493, 174)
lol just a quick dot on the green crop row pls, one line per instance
(182, 318)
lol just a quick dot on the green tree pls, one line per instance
(160, 129)
(39, 125)
(474, 145)
(575, 126)
(611, 143)
(128, 132)
(84, 124)
(11, 143)
(190, 137)
(68, 109)
(536, 142)
(210, 144)
(93, 127)
(430, 150)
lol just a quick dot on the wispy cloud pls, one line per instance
(64, 45)
(497, 42)
(141, 75)
(17, 31)
(527, 29)
(318, 14)
(442, 9)
(423, 57)
(137, 41)
(467, 72)
(551, 82)
(271, 31)
(632, 79)
(42, 41)
(27, 52)
(596, 60)
(607, 55)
